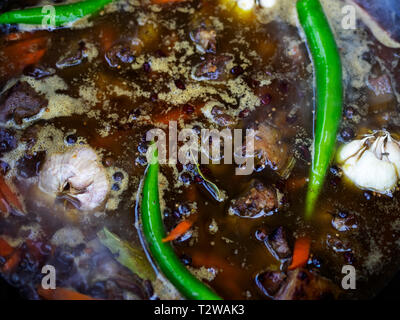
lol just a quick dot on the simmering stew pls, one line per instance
(78, 100)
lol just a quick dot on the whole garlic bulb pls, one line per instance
(372, 163)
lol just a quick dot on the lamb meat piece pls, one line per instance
(337, 244)
(29, 165)
(74, 57)
(212, 68)
(382, 18)
(19, 102)
(121, 53)
(344, 221)
(258, 201)
(221, 118)
(205, 39)
(269, 282)
(278, 245)
(38, 72)
(269, 148)
(30, 135)
(302, 284)
(382, 89)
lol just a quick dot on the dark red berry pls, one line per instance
(146, 67)
(154, 97)
(266, 99)
(349, 112)
(160, 54)
(237, 71)
(187, 108)
(71, 139)
(244, 113)
(283, 86)
(118, 176)
(180, 84)
(347, 134)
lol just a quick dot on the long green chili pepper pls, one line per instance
(63, 13)
(163, 253)
(329, 93)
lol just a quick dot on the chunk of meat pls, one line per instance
(30, 135)
(337, 244)
(382, 18)
(269, 149)
(121, 53)
(258, 201)
(38, 72)
(212, 68)
(382, 89)
(8, 141)
(220, 117)
(73, 58)
(344, 221)
(302, 284)
(19, 102)
(27, 49)
(278, 245)
(269, 282)
(29, 165)
(205, 39)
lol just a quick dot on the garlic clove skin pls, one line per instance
(267, 3)
(368, 172)
(393, 151)
(81, 170)
(372, 163)
(349, 150)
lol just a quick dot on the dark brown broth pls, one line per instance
(241, 257)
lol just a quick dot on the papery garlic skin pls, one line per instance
(81, 170)
(372, 163)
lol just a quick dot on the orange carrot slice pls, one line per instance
(179, 230)
(5, 248)
(301, 253)
(26, 52)
(12, 261)
(9, 195)
(176, 114)
(62, 294)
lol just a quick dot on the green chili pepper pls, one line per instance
(163, 253)
(329, 93)
(63, 13)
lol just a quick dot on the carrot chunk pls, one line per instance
(9, 195)
(12, 261)
(301, 253)
(178, 113)
(179, 230)
(62, 294)
(5, 248)
(25, 52)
